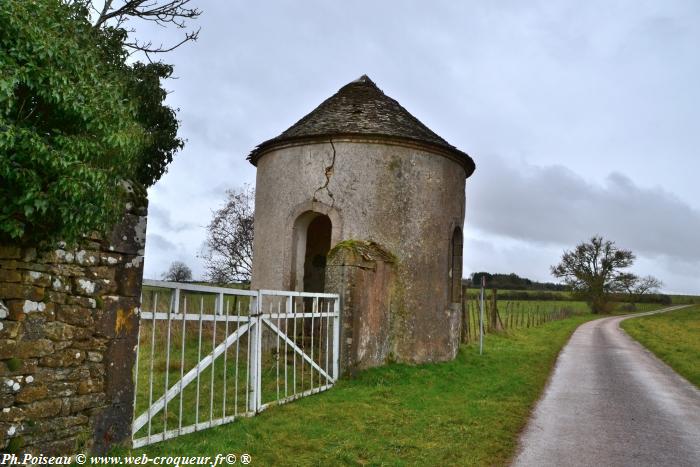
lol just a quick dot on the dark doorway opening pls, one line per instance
(318, 243)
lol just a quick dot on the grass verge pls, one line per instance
(673, 337)
(465, 412)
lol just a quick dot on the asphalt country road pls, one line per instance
(611, 402)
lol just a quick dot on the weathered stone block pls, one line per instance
(33, 326)
(10, 275)
(112, 425)
(27, 292)
(67, 270)
(34, 348)
(8, 263)
(18, 366)
(22, 307)
(110, 259)
(73, 314)
(40, 279)
(6, 400)
(61, 446)
(42, 409)
(9, 329)
(120, 357)
(101, 272)
(60, 284)
(29, 254)
(118, 317)
(85, 302)
(94, 357)
(10, 252)
(56, 297)
(86, 257)
(93, 345)
(59, 331)
(63, 358)
(8, 348)
(11, 414)
(63, 388)
(89, 386)
(48, 375)
(88, 401)
(130, 277)
(31, 393)
(32, 266)
(61, 423)
(96, 370)
(128, 236)
(59, 256)
(86, 287)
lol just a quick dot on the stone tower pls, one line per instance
(360, 198)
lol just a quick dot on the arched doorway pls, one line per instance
(312, 239)
(455, 274)
(318, 243)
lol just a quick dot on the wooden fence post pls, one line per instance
(465, 315)
(495, 318)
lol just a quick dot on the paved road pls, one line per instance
(610, 402)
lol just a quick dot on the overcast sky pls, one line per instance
(582, 117)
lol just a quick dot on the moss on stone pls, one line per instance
(15, 445)
(14, 363)
(367, 249)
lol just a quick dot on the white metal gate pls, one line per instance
(208, 355)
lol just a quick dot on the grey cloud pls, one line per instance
(553, 205)
(162, 217)
(158, 242)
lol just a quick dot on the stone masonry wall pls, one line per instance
(363, 274)
(68, 329)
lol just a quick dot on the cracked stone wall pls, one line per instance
(406, 197)
(68, 329)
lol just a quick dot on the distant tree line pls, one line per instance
(513, 282)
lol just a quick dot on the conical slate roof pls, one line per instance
(360, 108)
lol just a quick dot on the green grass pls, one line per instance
(685, 299)
(674, 337)
(465, 412)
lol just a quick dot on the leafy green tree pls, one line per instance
(594, 270)
(76, 122)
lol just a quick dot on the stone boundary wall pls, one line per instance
(68, 331)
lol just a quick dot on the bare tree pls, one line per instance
(178, 272)
(119, 13)
(592, 270)
(636, 286)
(228, 251)
(626, 282)
(647, 284)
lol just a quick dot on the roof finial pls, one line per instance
(363, 79)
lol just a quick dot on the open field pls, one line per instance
(518, 314)
(685, 299)
(550, 295)
(468, 411)
(674, 337)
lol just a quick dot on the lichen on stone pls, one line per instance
(366, 249)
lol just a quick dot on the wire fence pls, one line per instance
(504, 315)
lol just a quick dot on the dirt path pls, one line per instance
(610, 402)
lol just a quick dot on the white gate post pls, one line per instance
(336, 338)
(254, 359)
